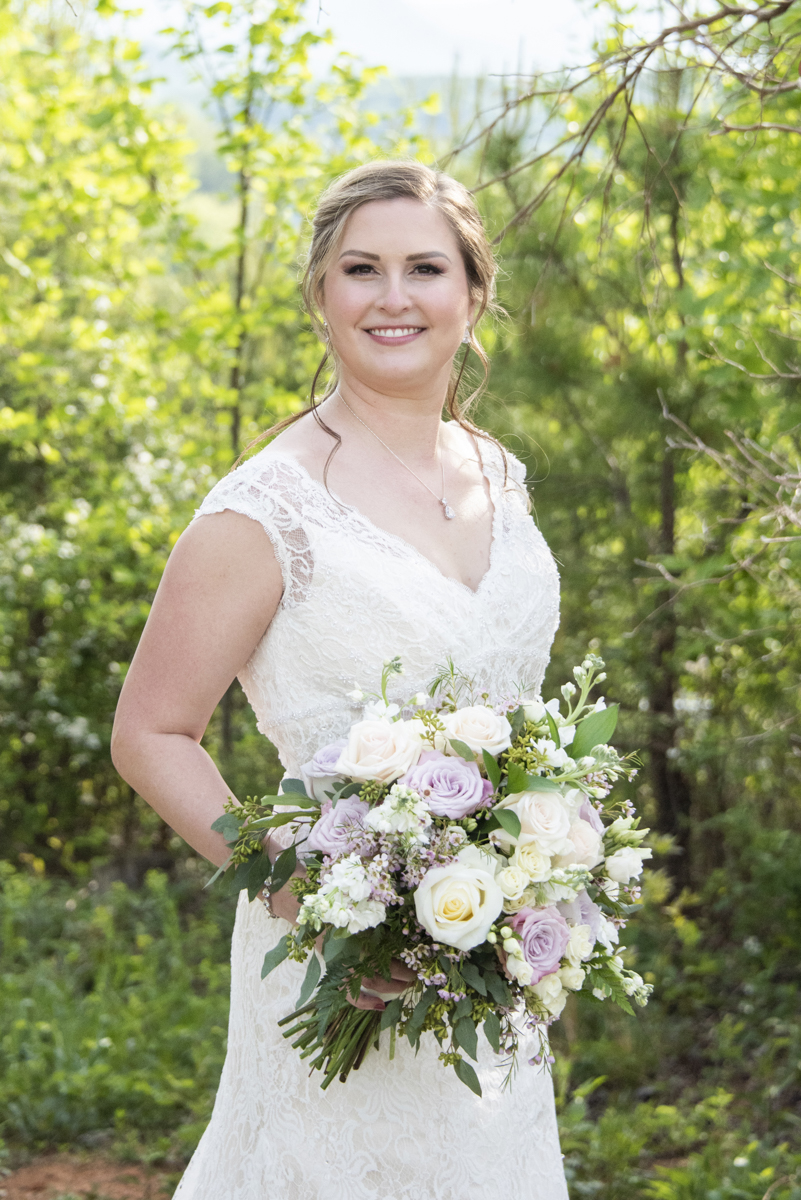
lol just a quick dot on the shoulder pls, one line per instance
(499, 464)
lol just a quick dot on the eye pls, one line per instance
(428, 269)
(359, 269)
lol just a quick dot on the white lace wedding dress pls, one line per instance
(355, 596)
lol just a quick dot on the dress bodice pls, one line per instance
(356, 595)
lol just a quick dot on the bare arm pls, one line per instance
(220, 590)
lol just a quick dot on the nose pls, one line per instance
(394, 298)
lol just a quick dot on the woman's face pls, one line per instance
(396, 298)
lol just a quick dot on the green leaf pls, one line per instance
(391, 1014)
(220, 871)
(282, 870)
(336, 947)
(419, 1015)
(508, 821)
(463, 750)
(540, 783)
(517, 720)
(293, 785)
(295, 800)
(471, 974)
(498, 989)
(492, 768)
(594, 730)
(468, 1075)
(350, 789)
(312, 978)
(553, 728)
(228, 825)
(276, 956)
(516, 777)
(463, 1009)
(464, 1031)
(239, 879)
(259, 871)
(492, 1029)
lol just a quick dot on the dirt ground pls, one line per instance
(58, 1176)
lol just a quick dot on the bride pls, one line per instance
(388, 532)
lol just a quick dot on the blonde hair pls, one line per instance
(393, 180)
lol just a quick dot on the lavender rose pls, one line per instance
(545, 934)
(582, 911)
(450, 786)
(589, 813)
(334, 833)
(319, 774)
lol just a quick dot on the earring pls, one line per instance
(468, 336)
(325, 330)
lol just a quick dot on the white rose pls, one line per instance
(534, 711)
(608, 935)
(382, 750)
(512, 881)
(479, 728)
(586, 846)
(485, 860)
(580, 946)
(542, 816)
(551, 994)
(527, 900)
(571, 977)
(457, 904)
(530, 858)
(517, 968)
(626, 864)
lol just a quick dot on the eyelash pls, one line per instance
(365, 268)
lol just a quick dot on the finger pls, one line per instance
(401, 971)
(367, 1002)
(377, 983)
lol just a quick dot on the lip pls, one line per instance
(394, 339)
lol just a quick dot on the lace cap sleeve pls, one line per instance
(268, 490)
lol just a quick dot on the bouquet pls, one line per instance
(477, 843)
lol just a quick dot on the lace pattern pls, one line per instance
(355, 595)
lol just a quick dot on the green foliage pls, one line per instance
(114, 1008)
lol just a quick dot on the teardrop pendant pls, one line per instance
(449, 513)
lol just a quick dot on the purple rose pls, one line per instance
(319, 773)
(545, 934)
(450, 786)
(582, 911)
(589, 813)
(333, 833)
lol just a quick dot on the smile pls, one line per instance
(395, 332)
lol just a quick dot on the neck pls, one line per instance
(409, 425)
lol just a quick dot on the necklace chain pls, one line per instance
(446, 508)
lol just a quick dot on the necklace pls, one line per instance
(446, 508)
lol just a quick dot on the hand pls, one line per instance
(401, 977)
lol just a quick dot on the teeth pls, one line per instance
(403, 332)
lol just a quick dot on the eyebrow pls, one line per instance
(409, 257)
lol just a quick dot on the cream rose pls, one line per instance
(527, 900)
(512, 881)
(551, 993)
(530, 858)
(479, 728)
(457, 904)
(626, 864)
(382, 750)
(571, 978)
(543, 817)
(580, 946)
(587, 846)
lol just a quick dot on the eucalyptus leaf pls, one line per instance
(282, 870)
(492, 1029)
(259, 868)
(468, 1075)
(295, 800)
(311, 979)
(461, 749)
(517, 720)
(463, 1008)
(465, 1034)
(553, 729)
(218, 872)
(471, 974)
(293, 785)
(594, 730)
(492, 768)
(498, 989)
(508, 821)
(274, 957)
(541, 783)
(228, 825)
(516, 777)
(391, 1014)
(419, 1015)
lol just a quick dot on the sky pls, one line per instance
(432, 37)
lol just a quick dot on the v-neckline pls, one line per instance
(402, 541)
